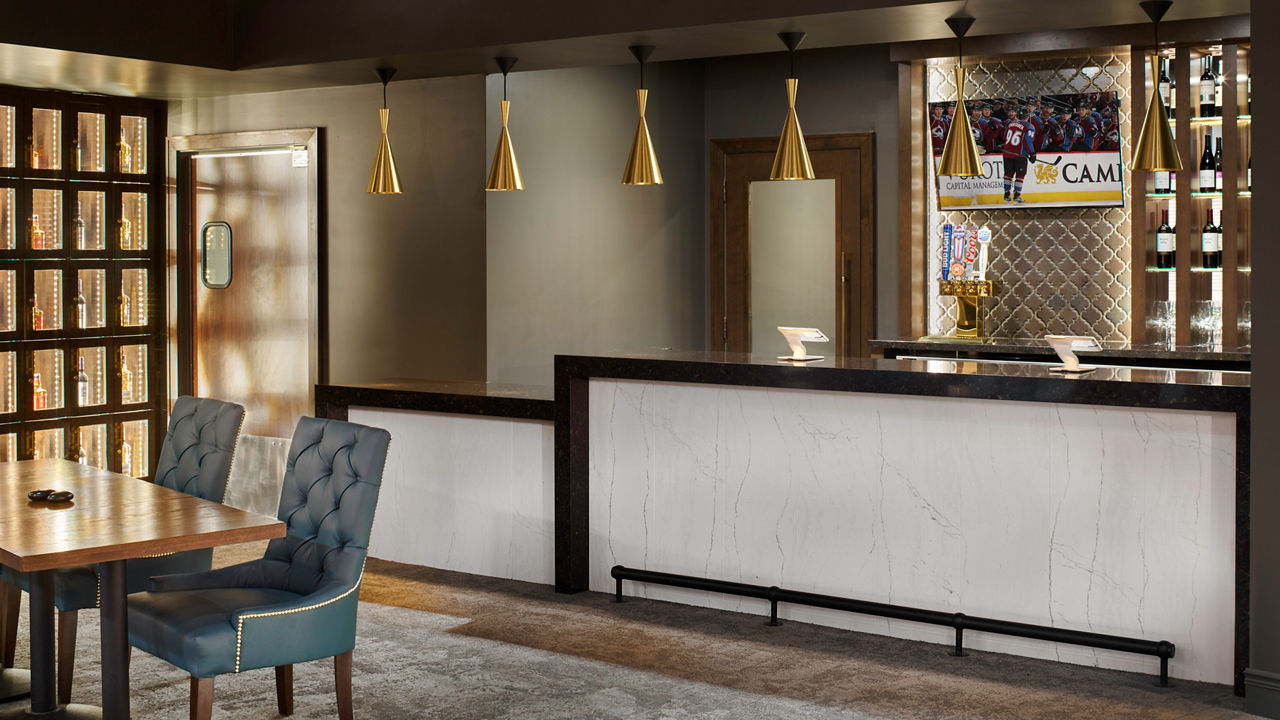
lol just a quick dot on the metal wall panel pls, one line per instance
(1064, 270)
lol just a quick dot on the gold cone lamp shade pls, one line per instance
(642, 161)
(1156, 149)
(384, 180)
(960, 152)
(504, 173)
(792, 161)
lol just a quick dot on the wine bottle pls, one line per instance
(126, 457)
(126, 233)
(126, 314)
(78, 228)
(1248, 175)
(37, 317)
(1217, 167)
(1166, 87)
(82, 457)
(1217, 236)
(1206, 87)
(82, 384)
(126, 153)
(126, 379)
(1166, 241)
(82, 307)
(1210, 250)
(1162, 182)
(37, 234)
(1173, 87)
(1206, 166)
(39, 396)
(1217, 86)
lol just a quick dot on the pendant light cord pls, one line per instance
(641, 74)
(504, 84)
(792, 57)
(1155, 34)
(384, 95)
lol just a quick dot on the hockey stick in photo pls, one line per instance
(1046, 162)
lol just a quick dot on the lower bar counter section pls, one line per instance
(468, 484)
(1114, 503)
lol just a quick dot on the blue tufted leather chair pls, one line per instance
(195, 459)
(298, 603)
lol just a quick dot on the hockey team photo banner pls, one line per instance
(1054, 180)
(1043, 151)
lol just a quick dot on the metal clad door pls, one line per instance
(254, 340)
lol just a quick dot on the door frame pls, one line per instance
(182, 244)
(728, 266)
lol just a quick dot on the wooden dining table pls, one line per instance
(112, 518)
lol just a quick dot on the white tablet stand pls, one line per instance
(796, 338)
(1067, 346)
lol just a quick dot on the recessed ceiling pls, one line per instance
(542, 45)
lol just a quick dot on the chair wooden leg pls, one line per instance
(342, 679)
(284, 689)
(66, 653)
(201, 698)
(11, 600)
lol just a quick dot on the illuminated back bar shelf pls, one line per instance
(1210, 305)
(81, 279)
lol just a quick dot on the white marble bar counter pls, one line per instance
(469, 480)
(1115, 502)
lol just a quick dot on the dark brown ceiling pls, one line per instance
(193, 48)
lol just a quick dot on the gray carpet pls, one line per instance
(407, 665)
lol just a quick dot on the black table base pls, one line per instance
(115, 652)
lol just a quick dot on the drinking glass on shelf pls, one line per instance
(1162, 316)
(1206, 319)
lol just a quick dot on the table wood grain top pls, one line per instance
(113, 517)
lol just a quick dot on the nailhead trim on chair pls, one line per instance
(234, 447)
(240, 622)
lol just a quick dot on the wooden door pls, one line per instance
(848, 159)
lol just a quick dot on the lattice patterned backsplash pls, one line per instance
(1064, 270)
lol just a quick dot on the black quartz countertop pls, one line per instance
(1192, 355)
(527, 402)
(1129, 386)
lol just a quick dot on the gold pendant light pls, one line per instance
(1156, 149)
(504, 173)
(792, 160)
(384, 180)
(642, 161)
(960, 152)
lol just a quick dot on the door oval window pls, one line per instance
(215, 255)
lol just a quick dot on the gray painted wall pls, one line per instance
(842, 90)
(578, 262)
(406, 272)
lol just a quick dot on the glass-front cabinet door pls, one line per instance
(80, 193)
